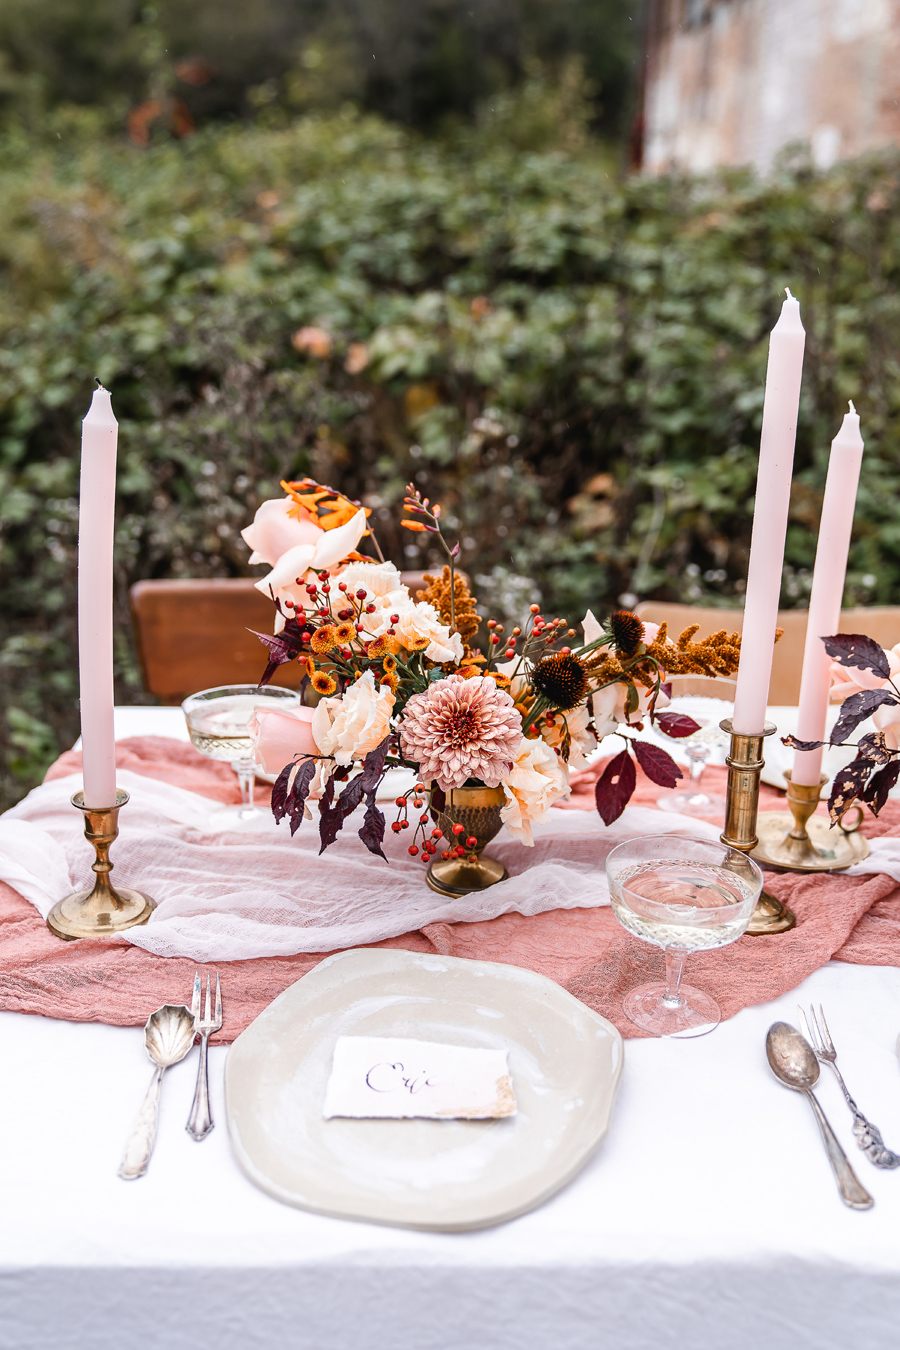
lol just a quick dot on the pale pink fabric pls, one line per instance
(854, 919)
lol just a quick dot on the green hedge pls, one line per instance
(572, 364)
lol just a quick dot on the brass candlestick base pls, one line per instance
(745, 764)
(794, 840)
(102, 910)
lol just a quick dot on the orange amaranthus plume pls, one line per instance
(329, 508)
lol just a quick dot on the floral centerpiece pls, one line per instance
(400, 683)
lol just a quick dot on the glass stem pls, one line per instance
(674, 967)
(698, 764)
(246, 772)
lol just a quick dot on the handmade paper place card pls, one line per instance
(391, 1078)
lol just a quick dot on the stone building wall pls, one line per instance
(733, 81)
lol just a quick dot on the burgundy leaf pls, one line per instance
(855, 649)
(615, 786)
(373, 765)
(291, 790)
(874, 747)
(880, 784)
(856, 709)
(793, 743)
(658, 764)
(676, 725)
(372, 830)
(330, 817)
(848, 784)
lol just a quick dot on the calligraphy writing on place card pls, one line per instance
(389, 1077)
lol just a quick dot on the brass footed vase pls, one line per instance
(477, 810)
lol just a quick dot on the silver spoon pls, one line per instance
(794, 1063)
(168, 1035)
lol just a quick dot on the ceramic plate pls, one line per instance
(564, 1059)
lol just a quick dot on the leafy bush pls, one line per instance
(572, 364)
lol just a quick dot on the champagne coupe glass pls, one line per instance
(218, 722)
(683, 895)
(707, 701)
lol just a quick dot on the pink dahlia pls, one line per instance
(459, 729)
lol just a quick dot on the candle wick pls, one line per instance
(852, 409)
(99, 383)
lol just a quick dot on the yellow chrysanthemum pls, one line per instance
(323, 683)
(344, 633)
(390, 664)
(323, 639)
(417, 644)
(391, 681)
(501, 681)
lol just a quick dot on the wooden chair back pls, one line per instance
(193, 634)
(881, 623)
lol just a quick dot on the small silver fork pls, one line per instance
(200, 1121)
(868, 1136)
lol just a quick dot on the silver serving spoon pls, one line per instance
(168, 1035)
(794, 1063)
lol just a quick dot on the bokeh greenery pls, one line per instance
(571, 363)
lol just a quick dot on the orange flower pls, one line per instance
(391, 681)
(313, 340)
(390, 664)
(323, 639)
(322, 683)
(413, 525)
(344, 633)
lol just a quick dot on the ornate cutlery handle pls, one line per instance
(200, 1121)
(853, 1193)
(143, 1133)
(868, 1136)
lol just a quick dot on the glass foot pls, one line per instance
(692, 803)
(241, 820)
(695, 1014)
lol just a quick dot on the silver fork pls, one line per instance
(868, 1136)
(200, 1121)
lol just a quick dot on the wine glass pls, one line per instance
(218, 722)
(683, 895)
(707, 701)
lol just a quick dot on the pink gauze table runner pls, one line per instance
(222, 899)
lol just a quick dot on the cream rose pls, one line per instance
(609, 704)
(416, 621)
(582, 738)
(351, 725)
(537, 779)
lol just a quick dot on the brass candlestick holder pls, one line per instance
(745, 764)
(794, 839)
(100, 910)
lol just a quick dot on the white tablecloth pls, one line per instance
(708, 1220)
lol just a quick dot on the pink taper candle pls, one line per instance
(770, 513)
(96, 513)
(827, 592)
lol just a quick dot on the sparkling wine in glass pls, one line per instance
(218, 722)
(683, 895)
(707, 701)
